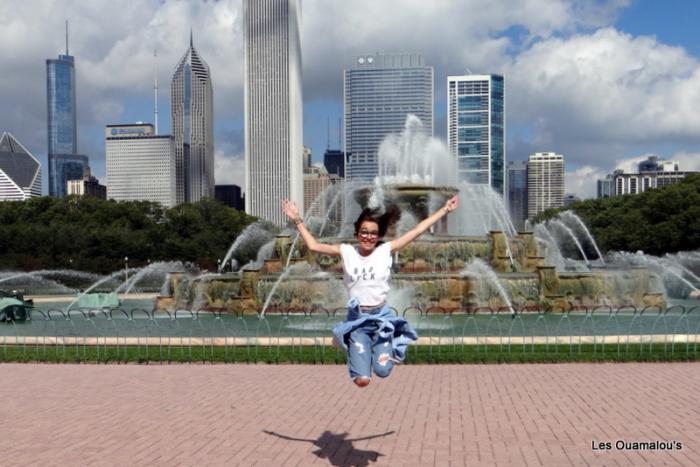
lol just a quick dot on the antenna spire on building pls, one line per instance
(191, 41)
(66, 37)
(155, 88)
(328, 132)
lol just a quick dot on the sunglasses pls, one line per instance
(369, 233)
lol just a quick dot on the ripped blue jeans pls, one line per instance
(373, 339)
(368, 350)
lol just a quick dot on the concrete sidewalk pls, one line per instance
(561, 414)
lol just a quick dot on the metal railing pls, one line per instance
(304, 335)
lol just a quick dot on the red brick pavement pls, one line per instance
(312, 415)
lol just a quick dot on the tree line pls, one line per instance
(91, 234)
(658, 221)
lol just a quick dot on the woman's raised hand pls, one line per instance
(290, 209)
(452, 203)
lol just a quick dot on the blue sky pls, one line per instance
(674, 22)
(603, 82)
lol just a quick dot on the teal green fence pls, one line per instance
(305, 335)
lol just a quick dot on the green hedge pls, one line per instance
(443, 354)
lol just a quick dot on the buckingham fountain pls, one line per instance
(473, 259)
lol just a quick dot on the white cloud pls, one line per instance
(605, 88)
(582, 181)
(687, 161)
(452, 35)
(229, 169)
(630, 164)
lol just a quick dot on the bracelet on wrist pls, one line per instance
(447, 210)
(298, 221)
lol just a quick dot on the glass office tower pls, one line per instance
(60, 92)
(64, 162)
(476, 128)
(380, 91)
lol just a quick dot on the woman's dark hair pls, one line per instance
(383, 220)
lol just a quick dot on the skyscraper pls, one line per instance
(517, 192)
(334, 161)
(230, 195)
(306, 159)
(545, 182)
(65, 167)
(60, 92)
(192, 110)
(476, 128)
(64, 162)
(20, 172)
(273, 107)
(140, 164)
(379, 92)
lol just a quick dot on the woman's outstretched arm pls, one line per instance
(424, 225)
(292, 211)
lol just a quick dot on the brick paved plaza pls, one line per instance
(312, 415)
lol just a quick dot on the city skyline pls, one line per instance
(643, 58)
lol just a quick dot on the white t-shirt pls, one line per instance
(367, 277)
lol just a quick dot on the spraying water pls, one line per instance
(554, 255)
(571, 234)
(259, 232)
(483, 271)
(41, 277)
(158, 269)
(688, 260)
(663, 268)
(572, 216)
(104, 280)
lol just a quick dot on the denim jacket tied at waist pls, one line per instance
(389, 326)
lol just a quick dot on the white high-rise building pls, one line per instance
(545, 182)
(140, 164)
(273, 107)
(379, 92)
(20, 171)
(192, 111)
(651, 173)
(476, 128)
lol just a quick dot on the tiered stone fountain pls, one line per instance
(433, 272)
(449, 268)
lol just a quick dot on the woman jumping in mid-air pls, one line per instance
(372, 335)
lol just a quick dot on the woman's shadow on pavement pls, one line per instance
(338, 449)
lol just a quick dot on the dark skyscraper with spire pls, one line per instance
(192, 127)
(64, 161)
